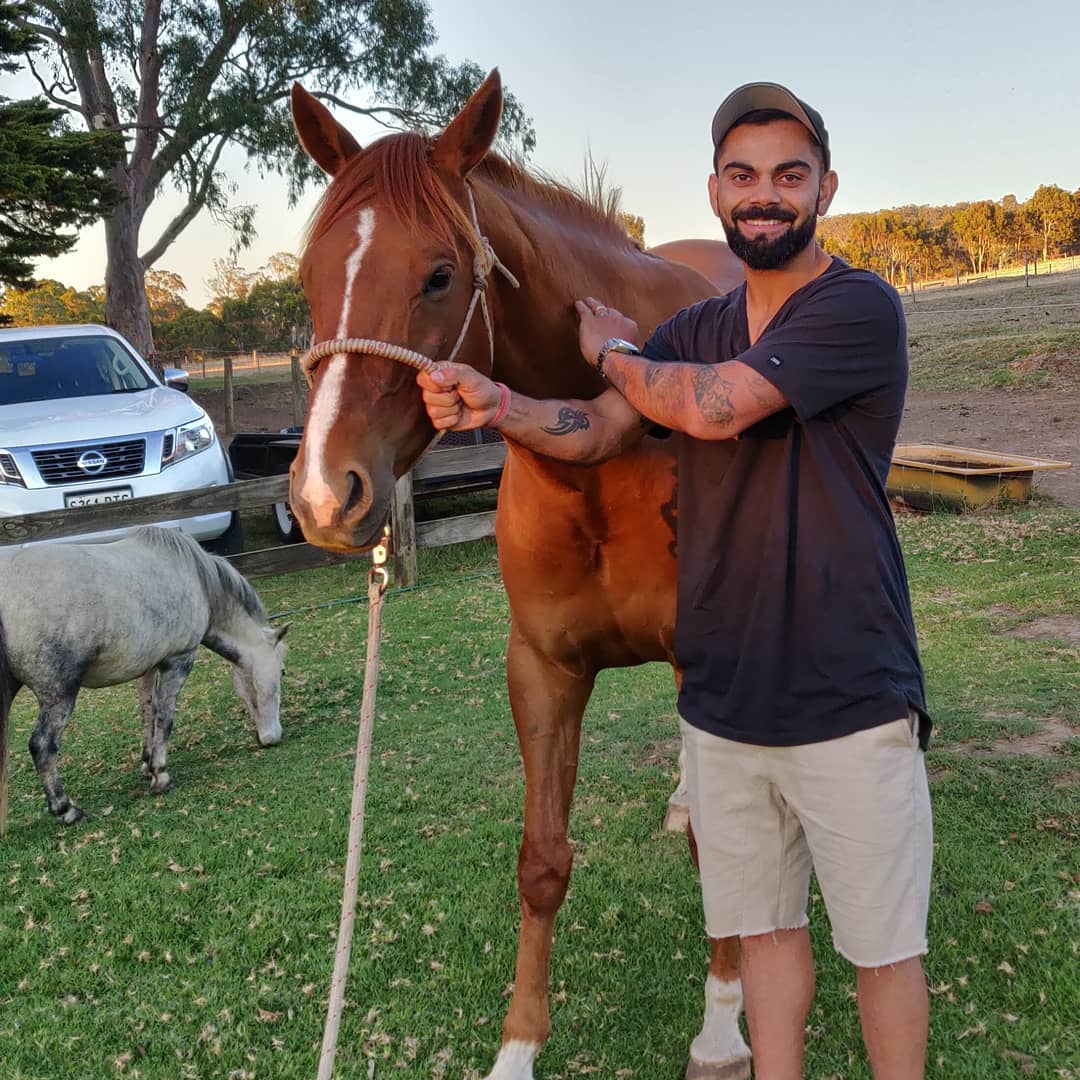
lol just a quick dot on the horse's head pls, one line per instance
(390, 258)
(256, 676)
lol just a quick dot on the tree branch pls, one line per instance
(196, 201)
(147, 117)
(71, 106)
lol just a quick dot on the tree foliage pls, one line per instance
(934, 241)
(185, 79)
(51, 178)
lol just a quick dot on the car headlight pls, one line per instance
(9, 471)
(184, 441)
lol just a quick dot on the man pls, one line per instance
(802, 699)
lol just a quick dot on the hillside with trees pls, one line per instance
(938, 242)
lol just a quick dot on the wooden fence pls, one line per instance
(408, 535)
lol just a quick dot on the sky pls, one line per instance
(925, 103)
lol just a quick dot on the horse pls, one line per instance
(74, 615)
(413, 234)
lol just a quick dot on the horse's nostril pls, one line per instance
(355, 495)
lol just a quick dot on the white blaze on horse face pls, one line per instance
(326, 404)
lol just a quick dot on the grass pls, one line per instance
(192, 935)
(997, 334)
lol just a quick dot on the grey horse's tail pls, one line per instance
(5, 711)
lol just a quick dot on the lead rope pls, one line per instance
(484, 261)
(378, 578)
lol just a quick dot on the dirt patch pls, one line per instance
(1050, 736)
(1050, 628)
(1002, 611)
(1045, 361)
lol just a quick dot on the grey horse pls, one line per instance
(74, 615)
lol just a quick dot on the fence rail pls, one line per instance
(408, 536)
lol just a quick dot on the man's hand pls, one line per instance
(458, 398)
(600, 324)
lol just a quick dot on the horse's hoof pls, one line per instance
(722, 1070)
(678, 818)
(72, 814)
(160, 783)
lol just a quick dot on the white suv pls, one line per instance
(85, 421)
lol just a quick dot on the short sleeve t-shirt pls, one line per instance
(794, 619)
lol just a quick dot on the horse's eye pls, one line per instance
(439, 282)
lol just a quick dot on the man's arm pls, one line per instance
(706, 401)
(459, 398)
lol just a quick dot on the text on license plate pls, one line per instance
(96, 498)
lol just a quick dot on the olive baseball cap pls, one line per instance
(766, 95)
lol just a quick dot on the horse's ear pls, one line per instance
(326, 142)
(470, 135)
(281, 631)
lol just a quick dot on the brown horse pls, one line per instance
(587, 554)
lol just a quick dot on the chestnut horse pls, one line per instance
(395, 257)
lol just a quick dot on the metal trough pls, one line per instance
(926, 476)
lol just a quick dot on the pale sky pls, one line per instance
(928, 101)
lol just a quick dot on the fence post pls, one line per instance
(1027, 284)
(202, 360)
(255, 358)
(911, 282)
(297, 388)
(956, 271)
(230, 417)
(403, 533)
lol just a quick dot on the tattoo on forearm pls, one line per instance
(653, 374)
(712, 392)
(763, 391)
(569, 421)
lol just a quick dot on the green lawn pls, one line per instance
(192, 935)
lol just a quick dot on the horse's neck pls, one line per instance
(232, 635)
(560, 257)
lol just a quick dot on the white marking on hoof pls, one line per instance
(719, 1050)
(678, 817)
(71, 815)
(160, 783)
(514, 1061)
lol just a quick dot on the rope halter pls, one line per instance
(484, 261)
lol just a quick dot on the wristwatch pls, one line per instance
(615, 344)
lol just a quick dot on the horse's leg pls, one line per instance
(677, 818)
(719, 1052)
(147, 683)
(548, 702)
(171, 675)
(45, 744)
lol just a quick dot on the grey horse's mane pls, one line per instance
(222, 583)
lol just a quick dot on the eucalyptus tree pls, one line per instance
(183, 80)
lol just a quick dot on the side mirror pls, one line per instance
(177, 378)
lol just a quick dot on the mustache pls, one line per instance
(764, 213)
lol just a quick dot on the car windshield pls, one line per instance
(47, 368)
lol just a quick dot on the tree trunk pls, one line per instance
(126, 307)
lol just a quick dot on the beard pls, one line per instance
(763, 253)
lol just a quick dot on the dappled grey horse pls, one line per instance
(74, 615)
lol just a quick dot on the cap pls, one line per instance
(766, 95)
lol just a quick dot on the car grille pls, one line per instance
(60, 464)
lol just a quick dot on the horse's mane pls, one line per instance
(223, 584)
(397, 169)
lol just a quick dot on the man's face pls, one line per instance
(768, 190)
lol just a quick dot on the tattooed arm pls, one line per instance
(706, 401)
(459, 398)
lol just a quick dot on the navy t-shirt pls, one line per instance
(794, 619)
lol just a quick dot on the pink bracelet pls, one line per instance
(504, 406)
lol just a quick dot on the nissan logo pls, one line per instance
(92, 462)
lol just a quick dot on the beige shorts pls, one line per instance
(855, 809)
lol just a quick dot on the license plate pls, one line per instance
(96, 498)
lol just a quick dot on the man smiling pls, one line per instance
(802, 701)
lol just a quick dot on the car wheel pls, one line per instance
(231, 541)
(286, 525)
